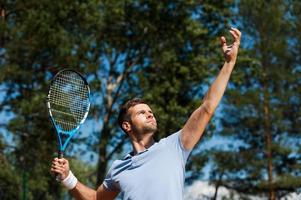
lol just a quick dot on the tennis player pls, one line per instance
(154, 171)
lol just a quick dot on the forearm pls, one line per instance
(82, 192)
(70, 182)
(196, 124)
(218, 87)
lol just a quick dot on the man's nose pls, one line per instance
(150, 115)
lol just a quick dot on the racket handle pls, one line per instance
(60, 154)
(58, 176)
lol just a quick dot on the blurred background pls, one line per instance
(167, 52)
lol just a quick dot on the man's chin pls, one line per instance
(150, 129)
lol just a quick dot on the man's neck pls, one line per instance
(140, 144)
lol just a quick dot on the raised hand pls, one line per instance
(230, 51)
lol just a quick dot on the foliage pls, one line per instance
(37, 39)
(166, 52)
(262, 105)
(9, 183)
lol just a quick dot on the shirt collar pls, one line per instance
(130, 155)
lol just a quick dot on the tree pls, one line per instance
(37, 39)
(111, 44)
(10, 184)
(141, 40)
(261, 105)
(183, 64)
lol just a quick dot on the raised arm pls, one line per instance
(197, 122)
(78, 190)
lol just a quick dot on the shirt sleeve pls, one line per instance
(175, 142)
(109, 183)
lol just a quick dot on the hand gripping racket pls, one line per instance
(68, 104)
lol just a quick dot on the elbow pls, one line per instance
(209, 107)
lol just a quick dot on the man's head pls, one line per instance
(136, 117)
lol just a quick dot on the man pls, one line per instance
(154, 171)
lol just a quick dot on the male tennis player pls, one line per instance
(154, 171)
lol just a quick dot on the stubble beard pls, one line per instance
(145, 129)
(149, 128)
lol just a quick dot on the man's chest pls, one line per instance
(151, 170)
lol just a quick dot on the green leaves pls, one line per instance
(258, 109)
(166, 52)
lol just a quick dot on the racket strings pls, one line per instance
(69, 100)
(69, 95)
(71, 114)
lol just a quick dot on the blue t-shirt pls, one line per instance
(157, 173)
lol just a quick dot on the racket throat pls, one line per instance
(63, 141)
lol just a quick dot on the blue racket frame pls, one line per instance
(62, 144)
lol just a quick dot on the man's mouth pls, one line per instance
(151, 121)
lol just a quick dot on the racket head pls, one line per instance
(68, 104)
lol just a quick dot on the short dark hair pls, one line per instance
(123, 112)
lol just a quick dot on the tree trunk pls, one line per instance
(101, 166)
(268, 139)
(2, 36)
(216, 191)
(102, 156)
(217, 185)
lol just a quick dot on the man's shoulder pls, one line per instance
(119, 165)
(172, 137)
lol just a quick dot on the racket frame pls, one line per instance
(62, 145)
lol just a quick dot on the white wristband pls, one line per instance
(70, 181)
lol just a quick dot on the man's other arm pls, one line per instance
(82, 192)
(194, 127)
(78, 190)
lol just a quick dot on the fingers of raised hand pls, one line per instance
(223, 41)
(224, 44)
(236, 34)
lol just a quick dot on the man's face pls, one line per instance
(142, 119)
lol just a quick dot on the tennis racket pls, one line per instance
(68, 104)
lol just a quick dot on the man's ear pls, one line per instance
(126, 126)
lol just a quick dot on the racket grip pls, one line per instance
(58, 176)
(60, 154)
